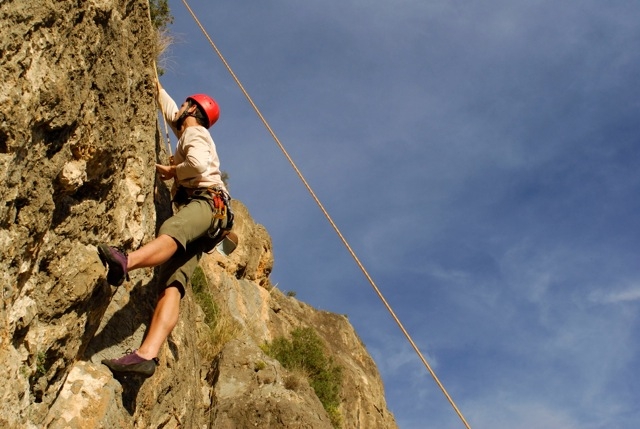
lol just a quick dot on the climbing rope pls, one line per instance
(326, 214)
(164, 120)
(155, 71)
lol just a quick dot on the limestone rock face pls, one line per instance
(251, 391)
(78, 144)
(77, 139)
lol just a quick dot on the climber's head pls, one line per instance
(200, 106)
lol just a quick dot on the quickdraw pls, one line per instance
(220, 202)
(221, 222)
(222, 215)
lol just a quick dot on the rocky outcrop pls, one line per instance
(78, 142)
(241, 284)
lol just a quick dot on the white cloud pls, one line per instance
(626, 295)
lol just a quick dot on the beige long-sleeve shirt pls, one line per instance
(196, 158)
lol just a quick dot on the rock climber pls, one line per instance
(202, 219)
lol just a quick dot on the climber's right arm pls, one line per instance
(168, 107)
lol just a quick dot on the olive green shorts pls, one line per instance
(188, 227)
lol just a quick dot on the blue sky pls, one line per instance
(481, 157)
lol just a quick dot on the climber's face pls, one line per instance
(186, 109)
(183, 108)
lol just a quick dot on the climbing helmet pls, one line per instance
(208, 105)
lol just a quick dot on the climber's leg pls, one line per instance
(144, 360)
(189, 224)
(165, 318)
(152, 254)
(156, 252)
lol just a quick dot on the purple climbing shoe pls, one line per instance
(132, 364)
(116, 261)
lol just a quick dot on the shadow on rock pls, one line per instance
(121, 328)
(101, 293)
(125, 321)
(131, 385)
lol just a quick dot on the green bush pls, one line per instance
(305, 352)
(160, 14)
(203, 297)
(221, 327)
(41, 361)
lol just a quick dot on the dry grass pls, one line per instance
(164, 40)
(221, 327)
(224, 329)
(295, 379)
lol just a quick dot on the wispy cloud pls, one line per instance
(481, 158)
(626, 295)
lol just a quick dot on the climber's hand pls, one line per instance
(166, 171)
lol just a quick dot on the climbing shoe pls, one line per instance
(132, 364)
(116, 262)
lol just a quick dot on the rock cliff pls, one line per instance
(78, 144)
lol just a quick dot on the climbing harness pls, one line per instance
(221, 213)
(330, 220)
(222, 222)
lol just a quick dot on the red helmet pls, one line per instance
(208, 106)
